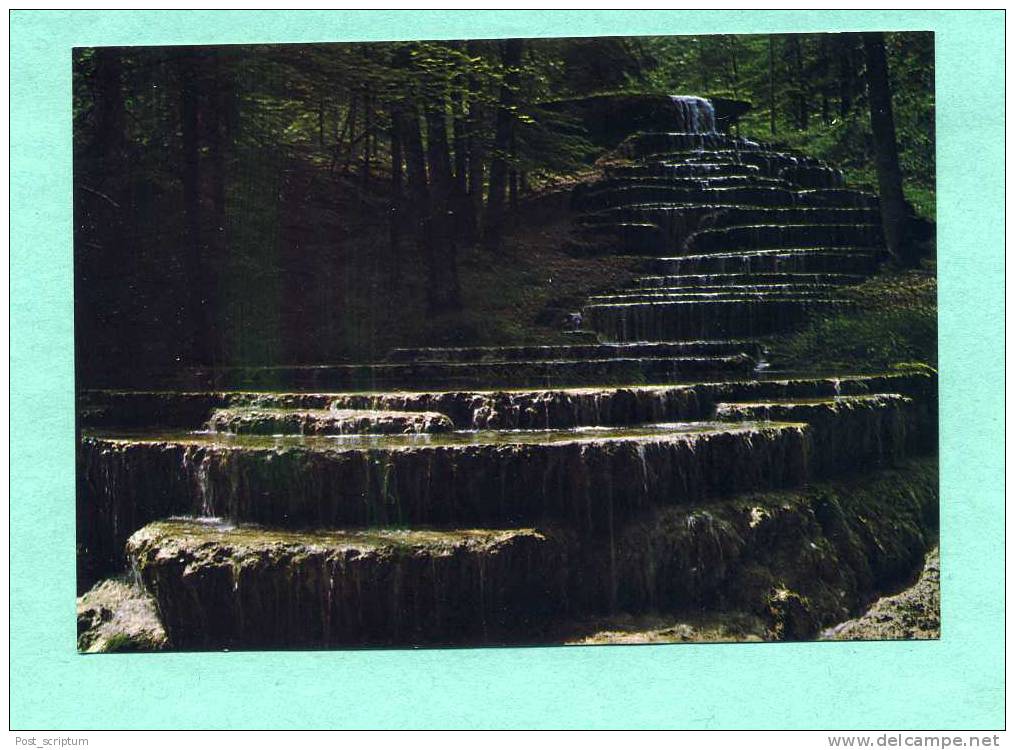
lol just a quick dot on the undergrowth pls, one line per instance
(894, 321)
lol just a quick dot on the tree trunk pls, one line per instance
(511, 57)
(107, 149)
(476, 156)
(320, 122)
(417, 205)
(464, 221)
(219, 130)
(458, 130)
(415, 166)
(104, 174)
(350, 122)
(513, 175)
(799, 83)
(444, 293)
(847, 74)
(824, 76)
(396, 208)
(368, 127)
(734, 68)
(771, 84)
(894, 211)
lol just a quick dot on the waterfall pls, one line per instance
(694, 114)
(605, 474)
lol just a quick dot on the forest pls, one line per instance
(307, 203)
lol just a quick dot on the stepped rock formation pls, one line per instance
(489, 494)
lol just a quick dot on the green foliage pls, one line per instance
(869, 339)
(894, 321)
(119, 642)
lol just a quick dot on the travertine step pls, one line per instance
(767, 236)
(719, 293)
(223, 586)
(507, 409)
(586, 478)
(573, 476)
(644, 144)
(673, 217)
(829, 547)
(848, 260)
(654, 190)
(572, 351)
(848, 432)
(699, 171)
(642, 176)
(698, 227)
(256, 420)
(717, 280)
(703, 318)
(545, 373)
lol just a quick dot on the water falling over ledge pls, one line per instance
(525, 487)
(694, 114)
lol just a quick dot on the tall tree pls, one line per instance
(475, 147)
(894, 210)
(800, 87)
(443, 290)
(511, 58)
(847, 72)
(771, 84)
(396, 206)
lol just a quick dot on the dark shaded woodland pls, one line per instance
(322, 203)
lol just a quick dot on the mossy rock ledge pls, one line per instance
(795, 560)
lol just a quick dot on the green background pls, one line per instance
(956, 682)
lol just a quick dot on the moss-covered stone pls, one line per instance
(799, 560)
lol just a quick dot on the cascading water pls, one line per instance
(423, 492)
(694, 114)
